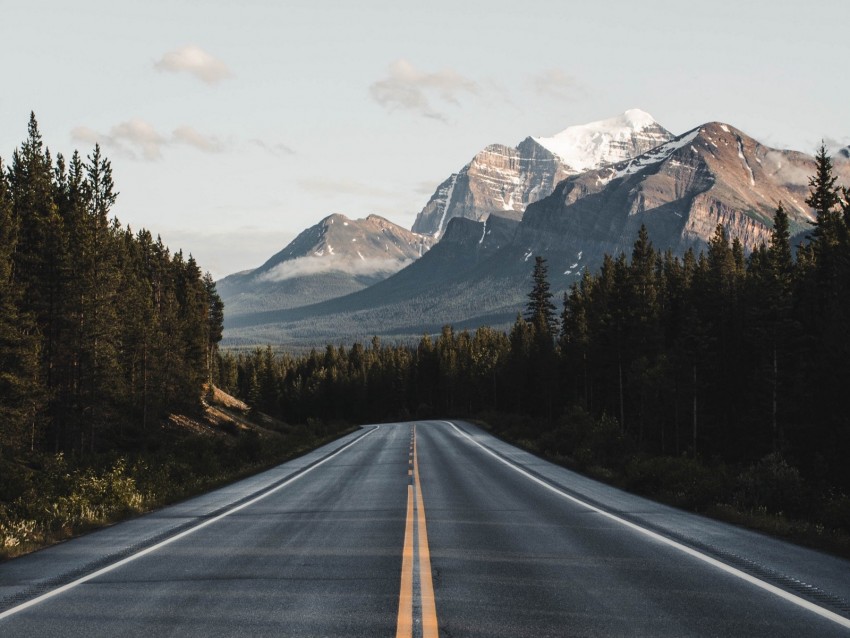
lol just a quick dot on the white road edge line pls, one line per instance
(796, 600)
(176, 537)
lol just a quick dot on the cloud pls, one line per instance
(834, 145)
(136, 137)
(779, 165)
(194, 60)
(321, 186)
(189, 136)
(555, 83)
(128, 138)
(409, 88)
(426, 188)
(278, 149)
(305, 266)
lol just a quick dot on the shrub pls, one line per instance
(681, 481)
(771, 484)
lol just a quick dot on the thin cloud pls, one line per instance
(834, 145)
(130, 138)
(779, 166)
(555, 83)
(426, 188)
(189, 136)
(408, 88)
(338, 187)
(279, 149)
(195, 61)
(137, 138)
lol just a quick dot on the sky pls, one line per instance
(232, 127)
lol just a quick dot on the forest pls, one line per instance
(101, 329)
(107, 340)
(717, 379)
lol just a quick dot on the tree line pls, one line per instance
(718, 355)
(102, 330)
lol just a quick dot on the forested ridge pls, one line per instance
(715, 379)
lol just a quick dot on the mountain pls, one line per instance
(479, 271)
(503, 181)
(335, 257)
(339, 256)
(681, 191)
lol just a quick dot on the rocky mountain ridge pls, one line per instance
(502, 180)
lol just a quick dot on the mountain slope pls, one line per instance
(681, 191)
(479, 272)
(503, 181)
(333, 258)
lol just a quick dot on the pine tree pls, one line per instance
(215, 322)
(21, 392)
(824, 199)
(540, 310)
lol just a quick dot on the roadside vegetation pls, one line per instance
(46, 498)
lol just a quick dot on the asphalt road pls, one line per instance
(448, 530)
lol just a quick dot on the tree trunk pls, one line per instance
(695, 410)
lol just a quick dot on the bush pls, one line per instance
(680, 481)
(771, 484)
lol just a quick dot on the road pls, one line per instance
(423, 529)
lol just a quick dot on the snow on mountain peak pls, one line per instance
(588, 146)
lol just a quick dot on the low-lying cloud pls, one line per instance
(778, 165)
(314, 265)
(138, 138)
(412, 89)
(195, 61)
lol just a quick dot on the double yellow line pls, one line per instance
(410, 555)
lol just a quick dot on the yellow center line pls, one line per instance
(404, 627)
(426, 584)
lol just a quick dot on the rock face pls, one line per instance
(680, 191)
(503, 181)
(335, 257)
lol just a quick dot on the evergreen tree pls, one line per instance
(540, 310)
(824, 198)
(21, 392)
(215, 322)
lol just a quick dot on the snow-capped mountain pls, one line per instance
(589, 146)
(503, 181)
(479, 271)
(335, 257)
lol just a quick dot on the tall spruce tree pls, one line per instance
(540, 310)
(21, 393)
